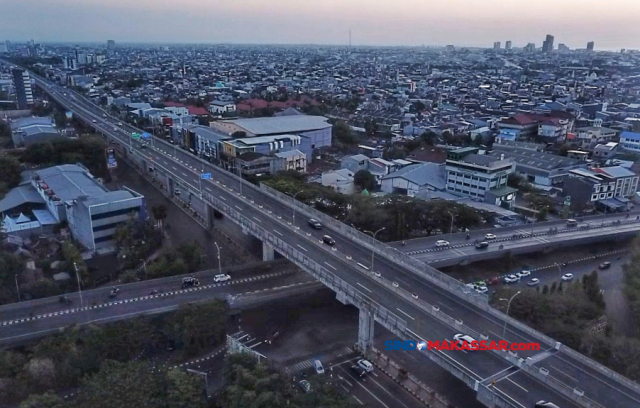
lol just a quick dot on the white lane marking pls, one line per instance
(257, 344)
(257, 219)
(356, 398)
(385, 390)
(563, 373)
(445, 306)
(184, 174)
(279, 233)
(517, 385)
(363, 287)
(238, 208)
(223, 198)
(303, 248)
(405, 313)
(345, 388)
(373, 395)
(331, 266)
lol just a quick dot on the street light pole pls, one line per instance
(75, 266)
(219, 262)
(242, 166)
(559, 272)
(17, 287)
(504, 330)
(373, 246)
(294, 206)
(144, 265)
(451, 228)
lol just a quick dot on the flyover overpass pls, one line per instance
(409, 298)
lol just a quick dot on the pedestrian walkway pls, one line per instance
(302, 365)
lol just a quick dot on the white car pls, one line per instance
(442, 243)
(482, 289)
(567, 277)
(318, 366)
(533, 282)
(464, 338)
(489, 236)
(511, 279)
(223, 277)
(365, 365)
(523, 274)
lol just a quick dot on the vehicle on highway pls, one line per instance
(395, 284)
(318, 367)
(65, 300)
(119, 123)
(523, 273)
(190, 281)
(489, 236)
(365, 365)
(511, 279)
(464, 338)
(414, 295)
(567, 277)
(328, 240)
(533, 282)
(545, 404)
(315, 223)
(306, 386)
(376, 273)
(482, 245)
(442, 243)
(94, 121)
(358, 371)
(605, 265)
(153, 292)
(104, 115)
(222, 277)
(572, 223)
(114, 292)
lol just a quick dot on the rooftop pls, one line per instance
(281, 124)
(70, 181)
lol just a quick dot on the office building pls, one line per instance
(483, 178)
(562, 48)
(111, 45)
(507, 45)
(590, 46)
(547, 45)
(530, 47)
(496, 45)
(22, 84)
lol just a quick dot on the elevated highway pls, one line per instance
(406, 296)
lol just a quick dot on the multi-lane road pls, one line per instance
(521, 389)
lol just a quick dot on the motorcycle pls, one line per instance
(468, 236)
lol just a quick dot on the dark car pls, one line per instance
(482, 245)
(328, 240)
(65, 300)
(358, 371)
(189, 282)
(306, 386)
(315, 223)
(605, 265)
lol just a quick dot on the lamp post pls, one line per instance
(242, 166)
(451, 228)
(373, 246)
(75, 266)
(294, 206)
(219, 262)
(144, 265)
(17, 287)
(504, 330)
(559, 272)
(534, 219)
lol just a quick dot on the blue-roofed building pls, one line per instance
(70, 193)
(507, 135)
(630, 141)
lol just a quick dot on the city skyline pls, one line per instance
(374, 22)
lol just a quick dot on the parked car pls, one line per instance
(605, 265)
(489, 236)
(533, 282)
(318, 366)
(442, 243)
(222, 277)
(482, 289)
(567, 277)
(328, 240)
(511, 279)
(306, 386)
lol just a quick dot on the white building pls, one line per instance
(340, 180)
(222, 107)
(293, 160)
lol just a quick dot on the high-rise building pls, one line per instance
(530, 47)
(22, 83)
(111, 44)
(590, 46)
(507, 45)
(562, 48)
(547, 45)
(496, 45)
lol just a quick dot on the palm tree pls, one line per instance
(159, 213)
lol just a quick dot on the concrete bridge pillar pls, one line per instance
(208, 215)
(267, 252)
(365, 329)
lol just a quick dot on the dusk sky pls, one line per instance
(612, 24)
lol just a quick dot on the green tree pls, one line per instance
(46, 400)
(10, 170)
(364, 180)
(159, 214)
(191, 254)
(342, 133)
(184, 390)
(188, 332)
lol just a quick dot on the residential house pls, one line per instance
(222, 108)
(340, 180)
(590, 136)
(630, 141)
(605, 151)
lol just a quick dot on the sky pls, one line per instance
(611, 24)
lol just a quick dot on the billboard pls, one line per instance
(111, 158)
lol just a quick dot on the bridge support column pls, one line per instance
(365, 329)
(208, 215)
(267, 252)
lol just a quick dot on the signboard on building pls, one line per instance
(111, 158)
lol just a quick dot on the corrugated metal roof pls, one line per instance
(18, 196)
(70, 181)
(282, 124)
